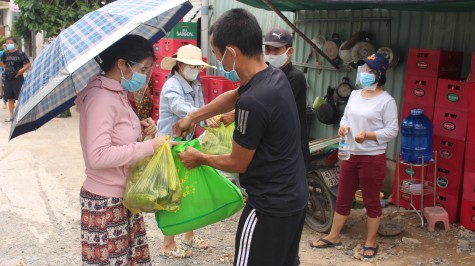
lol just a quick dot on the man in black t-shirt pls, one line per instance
(15, 63)
(266, 144)
(278, 51)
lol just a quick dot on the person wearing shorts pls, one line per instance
(15, 63)
(266, 148)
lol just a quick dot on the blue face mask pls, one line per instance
(231, 75)
(10, 46)
(137, 81)
(367, 80)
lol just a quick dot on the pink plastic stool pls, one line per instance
(434, 215)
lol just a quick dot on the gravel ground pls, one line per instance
(42, 173)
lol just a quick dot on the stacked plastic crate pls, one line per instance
(425, 69)
(467, 215)
(213, 86)
(182, 34)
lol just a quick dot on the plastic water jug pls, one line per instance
(416, 143)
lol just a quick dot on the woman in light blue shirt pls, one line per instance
(181, 94)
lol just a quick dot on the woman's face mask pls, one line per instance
(137, 81)
(366, 78)
(231, 75)
(277, 60)
(191, 72)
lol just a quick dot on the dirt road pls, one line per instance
(41, 174)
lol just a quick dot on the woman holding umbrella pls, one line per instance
(111, 134)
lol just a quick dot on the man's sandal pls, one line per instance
(178, 252)
(196, 242)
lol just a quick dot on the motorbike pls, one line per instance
(322, 181)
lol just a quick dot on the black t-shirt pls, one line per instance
(299, 88)
(14, 62)
(267, 121)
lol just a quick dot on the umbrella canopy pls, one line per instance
(64, 67)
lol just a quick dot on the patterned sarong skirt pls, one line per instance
(110, 234)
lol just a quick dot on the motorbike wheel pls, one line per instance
(321, 205)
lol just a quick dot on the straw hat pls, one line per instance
(188, 54)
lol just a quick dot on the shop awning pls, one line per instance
(404, 5)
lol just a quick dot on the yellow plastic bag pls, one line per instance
(218, 140)
(153, 184)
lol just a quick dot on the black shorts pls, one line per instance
(12, 88)
(267, 240)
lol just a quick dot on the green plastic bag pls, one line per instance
(153, 184)
(218, 140)
(208, 197)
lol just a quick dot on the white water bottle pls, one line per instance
(344, 146)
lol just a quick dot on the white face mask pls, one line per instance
(277, 60)
(190, 73)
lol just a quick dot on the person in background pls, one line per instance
(15, 63)
(278, 51)
(110, 134)
(2, 79)
(266, 144)
(370, 120)
(181, 95)
(142, 102)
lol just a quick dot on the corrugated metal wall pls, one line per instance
(400, 30)
(267, 19)
(404, 30)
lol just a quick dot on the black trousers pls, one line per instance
(263, 240)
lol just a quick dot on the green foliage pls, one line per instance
(51, 16)
(19, 31)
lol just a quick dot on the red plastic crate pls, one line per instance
(454, 94)
(449, 182)
(203, 72)
(158, 79)
(420, 90)
(168, 47)
(451, 203)
(232, 85)
(408, 106)
(469, 164)
(434, 63)
(451, 123)
(215, 88)
(205, 86)
(469, 185)
(471, 128)
(450, 152)
(467, 214)
(472, 69)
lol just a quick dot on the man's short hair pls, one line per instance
(240, 28)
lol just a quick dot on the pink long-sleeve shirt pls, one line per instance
(108, 129)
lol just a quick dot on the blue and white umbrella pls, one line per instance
(63, 68)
